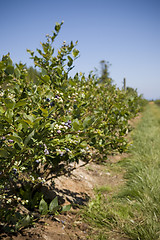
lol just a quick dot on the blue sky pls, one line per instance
(126, 33)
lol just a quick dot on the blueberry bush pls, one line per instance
(51, 120)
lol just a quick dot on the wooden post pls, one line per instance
(124, 84)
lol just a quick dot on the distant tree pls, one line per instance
(104, 78)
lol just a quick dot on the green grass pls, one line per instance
(135, 211)
(103, 189)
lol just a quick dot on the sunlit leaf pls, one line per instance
(20, 103)
(43, 207)
(75, 52)
(45, 78)
(53, 206)
(66, 208)
(76, 124)
(57, 26)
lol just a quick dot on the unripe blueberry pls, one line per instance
(58, 131)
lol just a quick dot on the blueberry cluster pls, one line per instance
(46, 152)
(52, 104)
(62, 153)
(15, 172)
(68, 123)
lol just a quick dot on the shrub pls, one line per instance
(52, 120)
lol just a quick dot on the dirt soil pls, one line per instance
(76, 189)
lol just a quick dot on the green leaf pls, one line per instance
(17, 73)
(70, 61)
(28, 138)
(31, 52)
(76, 124)
(45, 48)
(66, 208)
(44, 72)
(9, 103)
(3, 153)
(9, 114)
(57, 27)
(45, 78)
(2, 109)
(59, 70)
(83, 144)
(24, 222)
(26, 122)
(53, 206)
(88, 122)
(2, 65)
(44, 112)
(20, 103)
(72, 83)
(19, 127)
(75, 52)
(43, 207)
(35, 199)
(9, 69)
(37, 121)
(30, 117)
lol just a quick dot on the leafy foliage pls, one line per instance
(53, 207)
(51, 120)
(157, 102)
